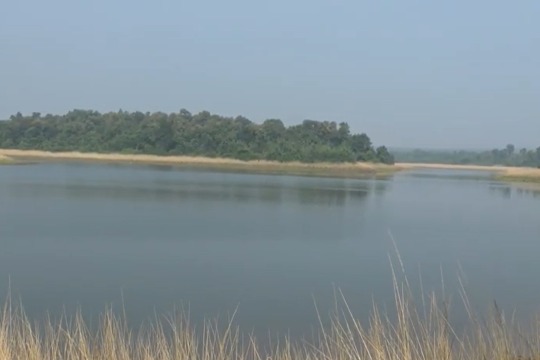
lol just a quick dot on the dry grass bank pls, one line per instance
(506, 173)
(319, 169)
(409, 335)
(521, 175)
(410, 166)
(5, 159)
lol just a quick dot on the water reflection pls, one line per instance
(331, 197)
(324, 193)
(509, 191)
(533, 192)
(443, 174)
(501, 190)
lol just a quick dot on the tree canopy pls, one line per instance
(183, 133)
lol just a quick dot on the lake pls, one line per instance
(274, 248)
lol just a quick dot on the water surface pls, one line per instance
(150, 239)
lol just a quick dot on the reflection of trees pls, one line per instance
(502, 190)
(507, 191)
(330, 197)
(325, 194)
(529, 192)
(381, 187)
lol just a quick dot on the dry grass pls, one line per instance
(521, 175)
(5, 159)
(506, 173)
(409, 166)
(413, 333)
(321, 169)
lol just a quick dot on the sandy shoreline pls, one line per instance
(316, 169)
(521, 175)
(507, 173)
(319, 169)
(410, 166)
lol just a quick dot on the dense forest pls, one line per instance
(183, 133)
(507, 156)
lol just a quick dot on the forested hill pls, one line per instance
(182, 133)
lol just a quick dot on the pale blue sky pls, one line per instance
(409, 73)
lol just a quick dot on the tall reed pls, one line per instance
(418, 329)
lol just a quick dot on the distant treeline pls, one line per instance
(507, 156)
(183, 133)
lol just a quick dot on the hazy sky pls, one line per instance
(409, 73)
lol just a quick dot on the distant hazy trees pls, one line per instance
(183, 133)
(505, 156)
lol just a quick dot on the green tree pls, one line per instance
(184, 133)
(384, 156)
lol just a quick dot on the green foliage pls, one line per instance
(507, 156)
(383, 155)
(183, 133)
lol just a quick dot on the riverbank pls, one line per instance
(351, 170)
(5, 160)
(503, 173)
(526, 175)
(411, 166)
(347, 170)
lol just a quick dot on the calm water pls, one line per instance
(156, 238)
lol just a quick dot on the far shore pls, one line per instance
(352, 170)
(505, 173)
(409, 166)
(346, 170)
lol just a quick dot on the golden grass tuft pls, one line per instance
(5, 159)
(412, 333)
(521, 175)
